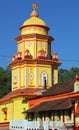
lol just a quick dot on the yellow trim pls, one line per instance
(46, 66)
(32, 39)
(19, 42)
(15, 87)
(22, 86)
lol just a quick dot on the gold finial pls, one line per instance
(34, 6)
(34, 13)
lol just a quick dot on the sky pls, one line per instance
(61, 16)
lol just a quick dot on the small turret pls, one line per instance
(55, 56)
(76, 83)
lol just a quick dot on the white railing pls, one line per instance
(56, 125)
(36, 125)
(24, 125)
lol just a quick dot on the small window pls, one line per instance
(44, 79)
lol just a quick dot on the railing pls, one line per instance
(36, 125)
(24, 125)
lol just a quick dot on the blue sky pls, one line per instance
(61, 16)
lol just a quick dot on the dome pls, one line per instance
(34, 21)
(34, 24)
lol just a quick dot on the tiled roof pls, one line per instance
(60, 88)
(22, 92)
(60, 104)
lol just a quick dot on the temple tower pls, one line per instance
(32, 65)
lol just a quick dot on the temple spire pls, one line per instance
(34, 13)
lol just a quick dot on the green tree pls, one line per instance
(5, 81)
(66, 75)
(62, 74)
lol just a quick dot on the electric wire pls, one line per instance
(65, 60)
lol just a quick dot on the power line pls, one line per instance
(65, 60)
(5, 56)
(69, 60)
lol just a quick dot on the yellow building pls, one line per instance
(34, 69)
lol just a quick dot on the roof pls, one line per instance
(53, 105)
(29, 92)
(60, 88)
(34, 21)
(34, 18)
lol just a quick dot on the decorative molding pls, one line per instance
(39, 36)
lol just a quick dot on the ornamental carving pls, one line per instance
(42, 54)
(31, 75)
(27, 54)
(15, 78)
(17, 56)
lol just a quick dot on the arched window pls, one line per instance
(44, 79)
(5, 113)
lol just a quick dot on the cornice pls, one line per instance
(31, 25)
(39, 36)
(34, 61)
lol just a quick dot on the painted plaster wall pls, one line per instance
(22, 76)
(20, 46)
(19, 107)
(14, 110)
(29, 45)
(47, 70)
(30, 76)
(33, 45)
(42, 45)
(55, 76)
(34, 29)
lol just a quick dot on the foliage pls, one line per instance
(5, 81)
(66, 75)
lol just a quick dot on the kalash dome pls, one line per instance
(34, 24)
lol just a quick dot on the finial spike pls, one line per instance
(34, 13)
(34, 6)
